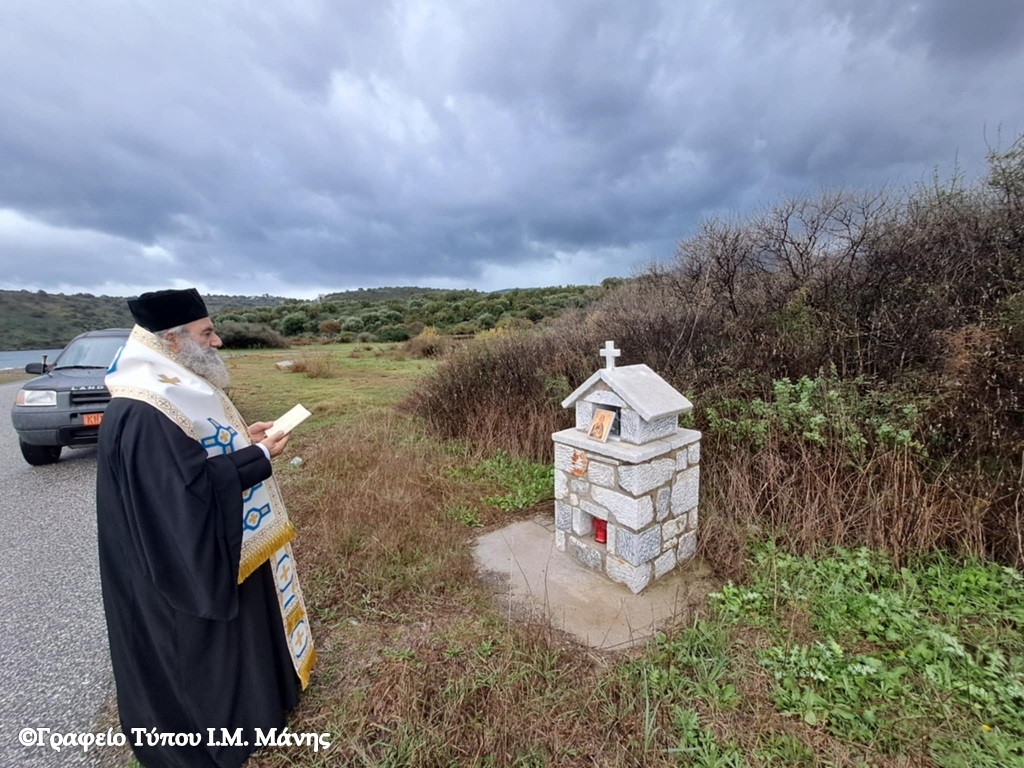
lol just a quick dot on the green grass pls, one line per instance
(360, 379)
(519, 483)
(924, 664)
(8, 376)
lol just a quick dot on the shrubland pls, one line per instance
(398, 314)
(241, 335)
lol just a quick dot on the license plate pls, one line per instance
(92, 419)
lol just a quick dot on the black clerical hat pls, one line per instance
(160, 310)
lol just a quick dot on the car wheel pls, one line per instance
(38, 455)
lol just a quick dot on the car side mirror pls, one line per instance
(37, 368)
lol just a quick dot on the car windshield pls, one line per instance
(89, 352)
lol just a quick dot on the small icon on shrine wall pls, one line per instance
(580, 463)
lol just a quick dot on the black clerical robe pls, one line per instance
(191, 649)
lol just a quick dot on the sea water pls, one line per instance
(20, 358)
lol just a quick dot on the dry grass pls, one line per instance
(13, 375)
(810, 501)
(416, 666)
(372, 497)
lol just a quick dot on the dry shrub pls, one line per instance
(504, 390)
(424, 347)
(429, 343)
(315, 366)
(809, 500)
(966, 348)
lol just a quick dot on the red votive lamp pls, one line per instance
(600, 531)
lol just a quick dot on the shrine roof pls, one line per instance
(641, 388)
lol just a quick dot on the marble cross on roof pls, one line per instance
(609, 353)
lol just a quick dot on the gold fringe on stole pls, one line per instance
(254, 556)
(307, 668)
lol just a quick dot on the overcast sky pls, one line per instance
(301, 147)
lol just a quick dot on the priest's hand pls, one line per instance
(258, 430)
(275, 443)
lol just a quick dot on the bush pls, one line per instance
(315, 366)
(429, 343)
(393, 333)
(498, 390)
(514, 323)
(294, 323)
(352, 323)
(249, 336)
(465, 328)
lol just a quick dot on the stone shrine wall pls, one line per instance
(647, 494)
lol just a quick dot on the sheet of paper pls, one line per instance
(290, 420)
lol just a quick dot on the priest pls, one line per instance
(207, 626)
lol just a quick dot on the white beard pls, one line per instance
(203, 361)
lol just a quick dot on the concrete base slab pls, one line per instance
(534, 580)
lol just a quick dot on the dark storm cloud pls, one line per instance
(957, 29)
(313, 145)
(949, 29)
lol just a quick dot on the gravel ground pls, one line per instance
(56, 667)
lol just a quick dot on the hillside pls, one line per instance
(396, 314)
(400, 293)
(38, 320)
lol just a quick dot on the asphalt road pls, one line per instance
(55, 670)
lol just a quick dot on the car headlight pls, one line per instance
(36, 397)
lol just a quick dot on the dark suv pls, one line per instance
(65, 405)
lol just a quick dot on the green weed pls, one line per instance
(464, 514)
(524, 483)
(698, 746)
(785, 750)
(821, 411)
(693, 663)
(933, 648)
